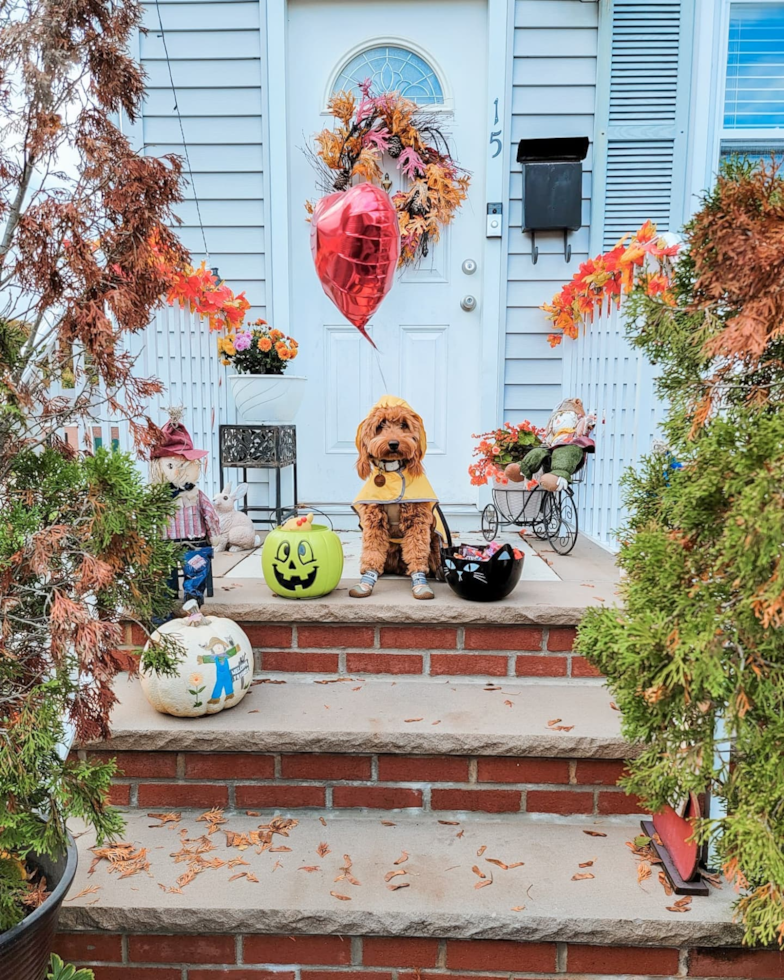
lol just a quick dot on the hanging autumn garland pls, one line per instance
(602, 281)
(390, 124)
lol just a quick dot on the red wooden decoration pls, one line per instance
(675, 832)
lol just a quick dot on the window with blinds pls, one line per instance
(753, 112)
(754, 95)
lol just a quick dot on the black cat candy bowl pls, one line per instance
(482, 581)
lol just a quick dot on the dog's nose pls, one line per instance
(393, 445)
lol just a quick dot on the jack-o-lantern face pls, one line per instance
(302, 564)
(294, 565)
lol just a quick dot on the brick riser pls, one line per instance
(429, 783)
(187, 957)
(437, 651)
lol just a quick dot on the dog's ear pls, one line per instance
(364, 467)
(414, 465)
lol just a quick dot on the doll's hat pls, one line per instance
(176, 441)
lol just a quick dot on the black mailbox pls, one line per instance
(552, 186)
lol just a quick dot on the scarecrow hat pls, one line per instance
(176, 440)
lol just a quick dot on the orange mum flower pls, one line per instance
(265, 344)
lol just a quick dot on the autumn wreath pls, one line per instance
(390, 124)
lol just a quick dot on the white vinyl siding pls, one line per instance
(553, 95)
(214, 49)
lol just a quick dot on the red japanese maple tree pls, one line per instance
(86, 255)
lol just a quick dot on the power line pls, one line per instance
(182, 132)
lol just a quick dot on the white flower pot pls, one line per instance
(267, 397)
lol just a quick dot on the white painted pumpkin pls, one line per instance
(214, 673)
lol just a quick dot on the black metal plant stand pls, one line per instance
(261, 447)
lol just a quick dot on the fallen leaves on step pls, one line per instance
(345, 872)
(509, 704)
(682, 905)
(450, 823)
(402, 859)
(478, 872)
(124, 858)
(343, 898)
(712, 879)
(91, 890)
(518, 908)
(492, 687)
(322, 821)
(164, 818)
(594, 833)
(484, 883)
(323, 849)
(310, 868)
(504, 867)
(275, 866)
(267, 680)
(481, 850)
(388, 823)
(643, 872)
(437, 722)
(394, 874)
(236, 862)
(459, 833)
(408, 721)
(614, 706)
(586, 864)
(279, 850)
(583, 876)
(214, 818)
(554, 725)
(665, 883)
(398, 885)
(252, 813)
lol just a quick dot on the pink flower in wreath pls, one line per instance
(242, 341)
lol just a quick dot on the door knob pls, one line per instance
(468, 303)
(469, 267)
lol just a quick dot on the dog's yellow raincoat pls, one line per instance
(399, 487)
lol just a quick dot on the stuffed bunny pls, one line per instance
(237, 532)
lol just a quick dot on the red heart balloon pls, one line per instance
(355, 242)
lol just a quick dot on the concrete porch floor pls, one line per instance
(554, 590)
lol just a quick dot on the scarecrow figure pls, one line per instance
(221, 652)
(567, 440)
(195, 522)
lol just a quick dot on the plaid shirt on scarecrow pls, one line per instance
(194, 522)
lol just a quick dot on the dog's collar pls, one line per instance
(390, 465)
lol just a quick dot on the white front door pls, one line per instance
(430, 348)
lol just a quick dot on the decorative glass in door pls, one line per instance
(392, 69)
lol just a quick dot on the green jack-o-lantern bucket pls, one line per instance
(302, 563)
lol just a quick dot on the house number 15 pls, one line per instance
(495, 134)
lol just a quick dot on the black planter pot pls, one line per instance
(25, 949)
(482, 581)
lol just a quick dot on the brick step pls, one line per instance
(437, 650)
(301, 741)
(532, 920)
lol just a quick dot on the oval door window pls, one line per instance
(392, 68)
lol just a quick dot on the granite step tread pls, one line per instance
(421, 716)
(539, 900)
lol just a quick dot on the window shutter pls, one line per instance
(642, 117)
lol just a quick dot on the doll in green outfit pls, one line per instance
(221, 652)
(567, 439)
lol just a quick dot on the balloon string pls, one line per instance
(381, 370)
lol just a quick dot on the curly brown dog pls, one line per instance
(396, 504)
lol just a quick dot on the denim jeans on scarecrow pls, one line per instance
(197, 563)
